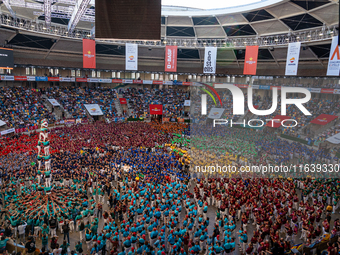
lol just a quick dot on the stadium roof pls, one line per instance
(260, 18)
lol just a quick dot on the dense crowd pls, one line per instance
(22, 107)
(171, 99)
(124, 192)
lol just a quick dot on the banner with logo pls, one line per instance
(293, 55)
(7, 78)
(122, 100)
(93, 109)
(131, 56)
(187, 103)
(53, 102)
(324, 119)
(335, 139)
(277, 121)
(250, 61)
(333, 68)
(5, 132)
(210, 60)
(89, 53)
(215, 113)
(171, 59)
(156, 109)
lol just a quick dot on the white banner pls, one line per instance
(92, 80)
(5, 132)
(66, 79)
(314, 90)
(105, 80)
(131, 56)
(2, 123)
(147, 82)
(336, 91)
(187, 103)
(167, 82)
(293, 55)
(7, 78)
(31, 78)
(210, 60)
(334, 139)
(334, 58)
(93, 109)
(53, 102)
(127, 81)
(215, 113)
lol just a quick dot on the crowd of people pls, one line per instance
(124, 192)
(133, 187)
(22, 107)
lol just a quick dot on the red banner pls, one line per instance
(157, 82)
(89, 53)
(20, 78)
(324, 119)
(117, 80)
(137, 81)
(81, 79)
(122, 101)
(250, 61)
(156, 109)
(171, 59)
(186, 83)
(276, 122)
(53, 78)
(242, 86)
(327, 91)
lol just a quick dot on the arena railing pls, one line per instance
(312, 35)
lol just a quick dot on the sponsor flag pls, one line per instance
(122, 100)
(131, 56)
(53, 102)
(334, 139)
(250, 61)
(93, 109)
(89, 53)
(215, 113)
(333, 68)
(324, 119)
(277, 121)
(156, 109)
(210, 60)
(293, 55)
(171, 59)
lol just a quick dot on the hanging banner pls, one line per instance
(156, 109)
(131, 56)
(334, 139)
(171, 59)
(215, 113)
(122, 100)
(8, 131)
(324, 119)
(250, 61)
(93, 109)
(293, 55)
(187, 103)
(210, 60)
(333, 68)
(89, 53)
(53, 102)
